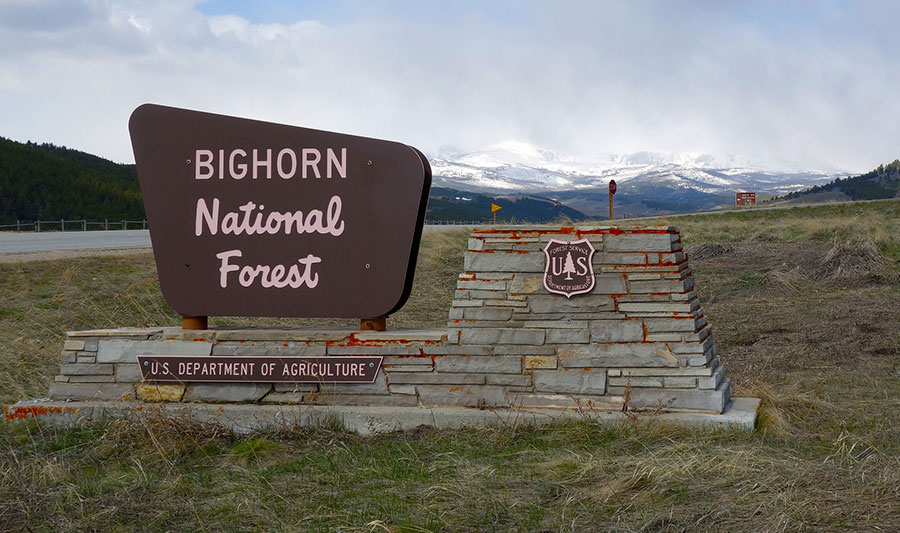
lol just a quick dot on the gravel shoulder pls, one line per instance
(68, 254)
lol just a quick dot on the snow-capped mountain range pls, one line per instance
(517, 167)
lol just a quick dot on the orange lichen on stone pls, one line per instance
(18, 413)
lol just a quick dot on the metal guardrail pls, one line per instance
(38, 226)
(455, 222)
(105, 225)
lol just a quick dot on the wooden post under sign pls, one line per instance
(373, 324)
(194, 322)
(494, 209)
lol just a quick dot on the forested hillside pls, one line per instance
(47, 182)
(883, 182)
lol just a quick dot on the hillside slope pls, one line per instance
(452, 205)
(881, 183)
(47, 182)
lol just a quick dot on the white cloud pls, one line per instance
(815, 85)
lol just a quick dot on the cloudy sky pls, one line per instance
(814, 84)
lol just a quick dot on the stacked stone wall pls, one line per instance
(638, 340)
(640, 335)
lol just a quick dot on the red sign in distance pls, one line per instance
(612, 186)
(745, 198)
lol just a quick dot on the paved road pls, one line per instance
(54, 241)
(50, 241)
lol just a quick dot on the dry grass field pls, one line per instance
(805, 306)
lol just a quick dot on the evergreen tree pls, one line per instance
(48, 182)
(569, 267)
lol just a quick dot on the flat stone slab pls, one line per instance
(118, 332)
(127, 350)
(365, 420)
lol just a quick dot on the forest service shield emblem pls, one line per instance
(569, 270)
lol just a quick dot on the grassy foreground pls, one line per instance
(804, 305)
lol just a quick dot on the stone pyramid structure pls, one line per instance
(637, 340)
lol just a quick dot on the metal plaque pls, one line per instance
(251, 218)
(287, 369)
(568, 269)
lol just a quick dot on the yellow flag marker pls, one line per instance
(494, 209)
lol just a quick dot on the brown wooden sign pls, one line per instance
(745, 198)
(252, 218)
(287, 369)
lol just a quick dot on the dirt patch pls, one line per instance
(856, 265)
(783, 308)
(708, 250)
(795, 265)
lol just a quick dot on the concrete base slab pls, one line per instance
(244, 418)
